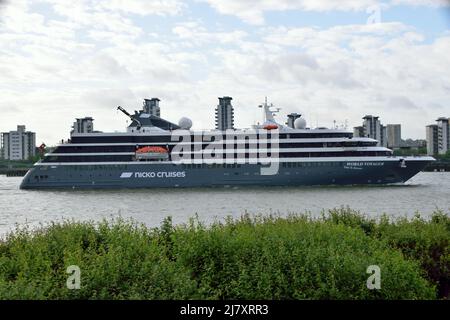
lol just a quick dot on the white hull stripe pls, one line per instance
(224, 150)
(138, 133)
(241, 161)
(283, 140)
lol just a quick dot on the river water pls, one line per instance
(424, 193)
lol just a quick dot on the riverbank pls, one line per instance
(296, 257)
(15, 168)
(438, 166)
(18, 172)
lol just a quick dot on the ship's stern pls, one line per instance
(27, 181)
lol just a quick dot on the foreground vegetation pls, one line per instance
(297, 257)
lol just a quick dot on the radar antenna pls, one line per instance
(269, 111)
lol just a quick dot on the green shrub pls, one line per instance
(117, 260)
(425, 241)
(293, 258)
(351, 218)
(250, 258)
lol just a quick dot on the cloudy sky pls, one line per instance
(329, 60)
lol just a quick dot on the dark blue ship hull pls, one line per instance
(149, 175)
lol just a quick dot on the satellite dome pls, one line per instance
(185, 123)
(300, 123)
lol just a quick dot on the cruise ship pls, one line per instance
(154, 152)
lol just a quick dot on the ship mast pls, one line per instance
(268, 111)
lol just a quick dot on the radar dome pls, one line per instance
(300, 123)
(185, 123)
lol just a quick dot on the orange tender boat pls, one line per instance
(270, 126)
(149, 149)
(152, 153)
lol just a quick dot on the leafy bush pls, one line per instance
(293, 258)
(117, 260)
(426, 241)
(249, 258)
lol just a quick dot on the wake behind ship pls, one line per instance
(154, 152)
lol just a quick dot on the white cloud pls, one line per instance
(196, 34)
(57, 67)
(252, 11)
(368, 70)
(429, 3)
(143, 8)
(73, 62)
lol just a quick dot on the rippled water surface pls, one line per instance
(423, 193)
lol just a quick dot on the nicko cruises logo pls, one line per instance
(153, 174)
(126, 175)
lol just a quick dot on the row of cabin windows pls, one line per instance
(203, 166)
(168, 138)
(312, 164)
(96, 167)
(298, 155)
(283, 164)
(131, 148)
(41, 177)
(93, 167)
(124, 158)
(112, 158)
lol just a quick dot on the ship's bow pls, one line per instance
(410, 166)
